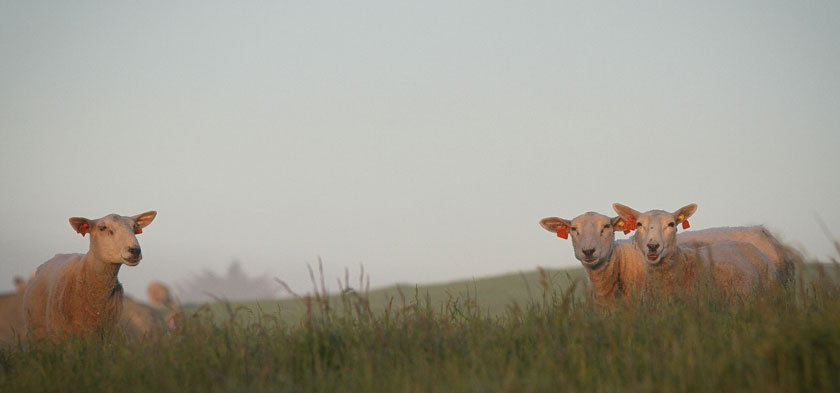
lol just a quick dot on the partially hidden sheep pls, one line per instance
(676, 269)
(79, 294)
(615, 269)
(160, 296)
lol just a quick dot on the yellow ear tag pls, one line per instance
(685, 223)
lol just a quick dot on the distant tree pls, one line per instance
(234, 285)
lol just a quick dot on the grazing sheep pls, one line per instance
(614, 268)
(679, 268)
(782, 257)
(79, 294)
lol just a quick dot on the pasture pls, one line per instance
(540, 336)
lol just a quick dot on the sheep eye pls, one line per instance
(607, 226)
(574, 228)
(671, 224)
(102, 228)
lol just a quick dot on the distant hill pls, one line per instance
(493, 294)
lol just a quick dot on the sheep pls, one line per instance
(79, 294)
(731, 265)
(159, 296)
(614, 268)
(780, 269)
(161, 299)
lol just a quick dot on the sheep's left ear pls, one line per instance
(81, 225)
(684, 213)
(144, 219)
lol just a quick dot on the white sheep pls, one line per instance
(614, 268)
(79, 294)
(673, 268)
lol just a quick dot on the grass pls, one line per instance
(493, 295)
(776, 341)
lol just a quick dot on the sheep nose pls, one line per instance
(588, 252)
(653, 247)
(135, 251)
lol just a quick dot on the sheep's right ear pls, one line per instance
(625, 212)
(551, 224)
(81, 225)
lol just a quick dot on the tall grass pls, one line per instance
(776, 341)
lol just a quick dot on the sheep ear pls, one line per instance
(144, 219)
(625, 212)
(552, 223)
(685, 212)
(81, 225)
(618, 223)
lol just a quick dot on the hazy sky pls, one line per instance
(422, 140)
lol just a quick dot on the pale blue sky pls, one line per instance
(423, 140)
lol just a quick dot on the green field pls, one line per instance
(493, 335)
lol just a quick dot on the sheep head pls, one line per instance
(656, 230)
(113, 237)
(593, 235)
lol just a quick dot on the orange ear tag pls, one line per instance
(630, 225)
(138, 231)
(563, 232)
(83, 229)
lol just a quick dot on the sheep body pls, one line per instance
(726, 264)
(70, 294)
(779, 263)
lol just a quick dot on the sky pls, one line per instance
(422, 140)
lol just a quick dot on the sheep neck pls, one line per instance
(98, 282)
(673, 272)
(605, 277)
